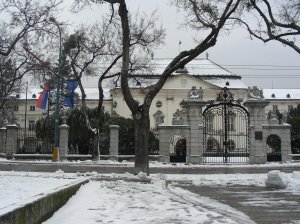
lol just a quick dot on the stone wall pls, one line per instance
(283, 131)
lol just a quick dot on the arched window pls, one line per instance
(213, 145)
(273, 143)
(210, 122)
(158, 104)
(231, 123)
(158, 118)
(231, 145)
(177, 148)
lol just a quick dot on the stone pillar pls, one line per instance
(164, 143)
(165, 134)
(2, 140)
(195, 121)
(256, 109)
(286, 148)
(283, 131)
(114, 142)
(63, 141)
(11, 140)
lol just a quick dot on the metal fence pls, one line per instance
(28, 142)
(226, 131)
(86, 144)
(295, 140)
(154, 142)
(127, 142)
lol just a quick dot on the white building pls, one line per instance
(202, 76)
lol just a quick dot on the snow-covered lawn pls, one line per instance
(120, 201)
(19, 188)
(129, 202)
(155, 164)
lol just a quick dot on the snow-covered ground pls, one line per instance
(120, 201)
(19, 188)
(129, 202)
(155, 163)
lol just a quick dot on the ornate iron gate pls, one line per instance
(226, 137)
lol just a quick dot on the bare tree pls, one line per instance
(12, 70)
(22, 18)
(207, 16)
(98, 50)
(210, 16)
(277, 21)
(85, 48)
(21, 21)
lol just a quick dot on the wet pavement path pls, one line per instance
(261, 204)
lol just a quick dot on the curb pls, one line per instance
(42, 208)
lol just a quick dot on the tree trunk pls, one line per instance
(96, 152)
(142, 127)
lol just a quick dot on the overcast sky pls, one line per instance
(269, 65)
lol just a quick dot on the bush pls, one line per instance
(81, 140)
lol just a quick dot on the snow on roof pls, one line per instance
(93, 93)
(221, 82)
(281, 94)
(32, 93)
(195, 67)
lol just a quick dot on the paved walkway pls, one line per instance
(262, 205)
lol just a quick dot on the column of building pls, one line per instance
(257, 148)
(195, 121)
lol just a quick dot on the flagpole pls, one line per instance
(26, 109)
(55, 155)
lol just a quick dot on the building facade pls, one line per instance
(201, 76)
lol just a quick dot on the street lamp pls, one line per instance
(57, 99)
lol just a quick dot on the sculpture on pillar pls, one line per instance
(178, 117)
(195, 94)
(273, 118)
(159, 118)
(255, 93)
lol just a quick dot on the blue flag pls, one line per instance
(71, 86)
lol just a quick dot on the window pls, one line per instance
(16, 108)
(32, 108)
(231, 145)
(159, 118)
(231, 123)
(31, 125)
(158, 104)
(210, 123)
(183, 82)
(290, 107)
(212, 145)
(275, 108)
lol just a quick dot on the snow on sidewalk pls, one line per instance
(17, 188)
(132, 202)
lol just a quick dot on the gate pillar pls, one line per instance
(283, 131)
(63, 141)
(2, 140)
(11, 140)
(114, 142)
(164, 138)
(195, 121)
(258, 150)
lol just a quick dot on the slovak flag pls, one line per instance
(43, 98)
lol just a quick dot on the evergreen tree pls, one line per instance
(294, 120)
